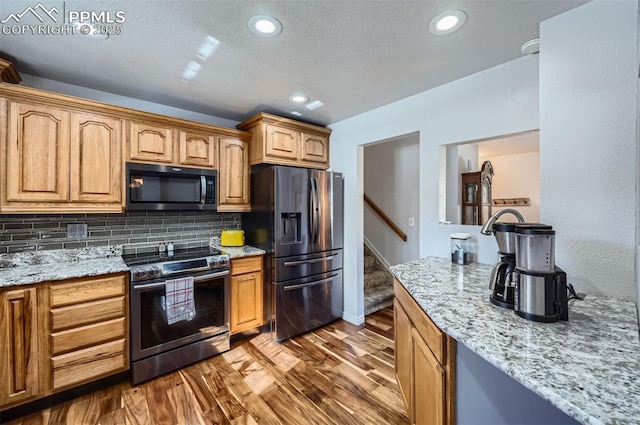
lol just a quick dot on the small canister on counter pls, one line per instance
(462, 250)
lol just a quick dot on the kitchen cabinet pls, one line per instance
(425, 363)
(246, 294)
(60, 160)
(198, 149)
(19, 344)
(278, 140)
(233, 176)
(63, 154)
(88, 330)
(150, 143)
(57, 335)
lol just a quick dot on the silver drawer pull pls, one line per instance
(306, 285)
(300, 262)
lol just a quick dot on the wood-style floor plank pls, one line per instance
(338, 374)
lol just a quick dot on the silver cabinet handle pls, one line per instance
(306, 285)
(299, 262)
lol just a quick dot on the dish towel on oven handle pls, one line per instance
(178, 300)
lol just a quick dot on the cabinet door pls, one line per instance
(428, 384)
(37, 154)
(150, 143)
(96, 161)
(197, 149)
(18, 346)
(282, 142)
(234, 175)
(315, 149)
(403, 362)
(246, 301)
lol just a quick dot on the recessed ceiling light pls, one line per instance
(314, 105)
(298, 98)
(531, 47)
(191, 70)
(266, 26)
(296, 113)
(447, 22)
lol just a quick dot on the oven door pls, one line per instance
(152, 334)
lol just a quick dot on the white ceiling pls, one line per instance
(510, 145)
(352, 55)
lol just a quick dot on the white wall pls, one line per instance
(517, 176)
(391, 173)
(498, 101)
(124, 101)
(588, 113)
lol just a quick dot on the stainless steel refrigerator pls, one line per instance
(297, 217)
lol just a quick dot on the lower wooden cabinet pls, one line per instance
(246, 294)
(425, 363)
(55, 336)
(19, 346)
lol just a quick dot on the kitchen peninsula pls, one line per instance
(587, 367)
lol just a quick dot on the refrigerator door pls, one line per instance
(293, 197)
(307, 303)
(299, 266)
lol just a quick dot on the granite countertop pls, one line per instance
(44, 266)
(240, 251)
(588, 367)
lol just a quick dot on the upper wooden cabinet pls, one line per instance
(149, 142)
(198, 149)
(278, 140)
(233, 177)
(61, 154)
(59, 160)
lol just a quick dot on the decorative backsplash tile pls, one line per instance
(136, 231)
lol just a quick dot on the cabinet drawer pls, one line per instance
(246, 265)
(76, 338)
(85, 313)
(431, 334)
(88, 364)
(86, 290)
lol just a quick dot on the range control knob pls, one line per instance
(153, 271)
(224, 261)
(139, 273)
(214, 263)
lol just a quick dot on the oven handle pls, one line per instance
(195, 280)
(305, 285)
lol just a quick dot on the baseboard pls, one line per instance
(356, 320)
(377, 253)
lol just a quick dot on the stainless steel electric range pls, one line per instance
(164, 338)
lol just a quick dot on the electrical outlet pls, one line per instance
(77, 231)
(412, 221)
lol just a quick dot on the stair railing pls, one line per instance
(376, 209)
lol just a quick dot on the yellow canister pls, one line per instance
(232, 238)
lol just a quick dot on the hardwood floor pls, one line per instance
(335, 375)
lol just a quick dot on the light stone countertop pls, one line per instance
(588, 367)
(44, 266)
(240, 251)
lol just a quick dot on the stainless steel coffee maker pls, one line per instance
(540, 286)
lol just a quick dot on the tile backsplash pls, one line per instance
(137, 231)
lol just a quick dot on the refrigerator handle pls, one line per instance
(316, 210)
(311, 209)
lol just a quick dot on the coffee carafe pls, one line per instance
(540, 286)
(501, 276)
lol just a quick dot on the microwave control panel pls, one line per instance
(211, 192)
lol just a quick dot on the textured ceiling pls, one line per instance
(353, 56)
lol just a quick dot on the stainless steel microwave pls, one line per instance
(166, 187)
